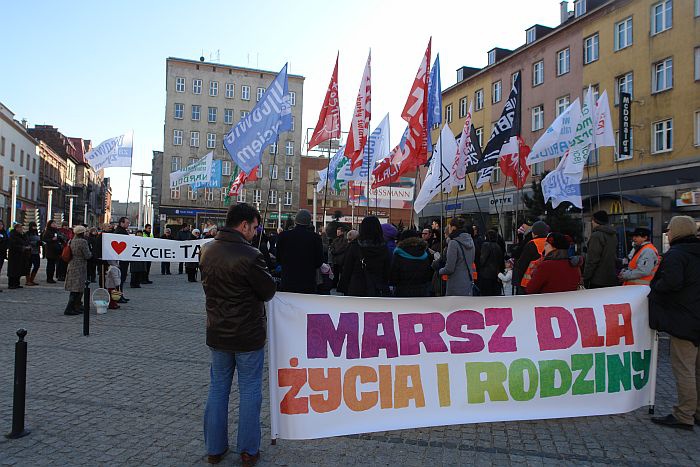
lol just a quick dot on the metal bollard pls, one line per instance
(20, 388)
(86, 309)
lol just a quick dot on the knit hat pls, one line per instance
(601, 217)
(558, 241)
(303, 217)
(641, 232)
(681, 226)
(78, 229)
(540, 229)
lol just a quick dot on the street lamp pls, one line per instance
(140, 224)
(50, 201)
(70, 209)
(13, 206)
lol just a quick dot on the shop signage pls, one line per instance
(625, 145)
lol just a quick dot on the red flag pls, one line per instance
(512, 160)
(240, 181)
(328, 125)
(360, 120)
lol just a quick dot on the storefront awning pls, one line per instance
(641, 200)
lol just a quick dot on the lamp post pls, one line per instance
(50, 201)
(71, 198)
(140, 223)
(13, 201)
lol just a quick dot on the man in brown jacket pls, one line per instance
(236, 285)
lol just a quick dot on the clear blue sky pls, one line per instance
(95, 69)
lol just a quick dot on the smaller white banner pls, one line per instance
(133, 248)
(198, 172)
(114, 152)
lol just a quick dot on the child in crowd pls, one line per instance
(113, 280)
(507, 276)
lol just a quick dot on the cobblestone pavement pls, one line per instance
(133, 393)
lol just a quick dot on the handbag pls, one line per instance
(66, 253)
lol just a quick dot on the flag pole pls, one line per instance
(478, 206)
(622, 204)
(131, 165)
(269, 188)
(325, 190)
(415, 189)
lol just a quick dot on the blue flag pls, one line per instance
(434, 100)
(214, 181)
(246, 141)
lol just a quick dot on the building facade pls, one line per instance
(203, 101)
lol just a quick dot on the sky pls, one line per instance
(97, 69)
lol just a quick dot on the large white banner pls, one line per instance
(113, 152)
(198, 172)
(342, 365)
(133, 248)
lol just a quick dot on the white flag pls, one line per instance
(377, 147)
(114, 152)
(197, 172)
(580, 148)
(560, 186)
(458, 171)
(556, 140)
(438, 173)
(603, 134)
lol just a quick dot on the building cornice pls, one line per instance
(19, 128)
(232, 67)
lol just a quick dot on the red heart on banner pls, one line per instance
(118, 247)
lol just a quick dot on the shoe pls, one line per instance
(147, 282)
(79, 310)
(113, 307)
(50, 281)
(168, 274)
(15, 287)
(249, 460)
(71, 312)
(672, 422)
(135, 286)
(216, 458)
(122, 300)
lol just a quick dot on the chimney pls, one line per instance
(25, 123)
(563, 11)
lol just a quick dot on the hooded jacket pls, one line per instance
(491, 260)
(365, 270)
(411, 270)
(675, 291)
(557, 272)
(459, 281)
(599, 269)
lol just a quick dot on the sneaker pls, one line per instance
(249, 460)
(216, 458)
(50, 281)
(672, 422)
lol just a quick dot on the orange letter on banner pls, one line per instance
(367, 400)
(318, 381)
(295, 378)
(385, 384)
(614, 331)
(403, 392)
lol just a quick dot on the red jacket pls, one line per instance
(554, 275)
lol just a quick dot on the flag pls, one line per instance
(434, 99)
(377, 145)
(246, 141)
(603, 133)
(439, 170)
(241, 178)
(507, 126)
(559, 186)
(227, 197)
(557, 138)
(113, 152)
(360, 119)
(462, 157)
(580, 147)
(512, 161)
(195, 173)
(332, 170)
(328, 125)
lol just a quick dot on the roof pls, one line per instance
(79, 149)
(235, 67)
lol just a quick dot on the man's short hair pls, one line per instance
(122, 219)
(147, 225)
(241, 212)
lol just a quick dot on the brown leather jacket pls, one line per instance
(236, 284)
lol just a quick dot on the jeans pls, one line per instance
(250, 366)
(36, 261)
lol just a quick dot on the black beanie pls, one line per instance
(601, 217)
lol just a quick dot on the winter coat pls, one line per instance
(113, 278)
(77, 268)
(599, 270)
(236, 285)
(647, 261)
(390, 233)
(555, 273)
(3, 243)
(675, 291)
(34, 242)
(18, 255)
(410, 272)
(459, 280)
(366, 270)
(183, 235)
(491, 261)
(528, 254)
(53, 243)
(300, 253)
(338, 249)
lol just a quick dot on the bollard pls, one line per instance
(20, 388)
(86, 309)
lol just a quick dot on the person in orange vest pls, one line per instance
(644, 260)
(522, 272)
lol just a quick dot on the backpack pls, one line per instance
(66, 253)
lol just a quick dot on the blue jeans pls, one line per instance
(223, 365)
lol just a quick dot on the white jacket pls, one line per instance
(114, 278)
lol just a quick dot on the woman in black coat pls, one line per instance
(53, 245)
(491, 263)
(18, 257)
(411, 272)
(367, 263)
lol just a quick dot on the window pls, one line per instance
(478, 99)
(619, 157)
(212, 115)
(245, 93)
(32, 192)
(661, 16)
(33, 166)
(194, 139)
(223, 195)
(463, 107)
(623, 84)
(579, 8)
(228, 116)
(697, 128)
(177, 137)
(257, 196)
(229, 90)
(192, 161)
(241, 196)
(593, 158)
(244, 114)
(512, 79)
(590, 49)
(530, 35)
(179, 84)
(225, 167)
(211, 140)
(179, 111)
(562, 104)
(175, 193)
(697, 8)
(289, 148)
(662, 136)
(196, 86)
(537, 118)
(287, 198)
(191, 194)
(273, 172)
(697, 72)
(196, 111)
(272, 199)
(448, 113)
(623, 34)
(292, 98)
(538, 168)
(213, 88)
(496, 89)
(595, 92)
(496, 175)
(2, 141)
(273, 149)
(260, 93)
(538, 73)
(12, 152)
(480, 135)
(663, 75)
(563, 62)
(21, 157)
(175, 163)
(492, 57)
(292, 124)
(289, 173)
(209, 194)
